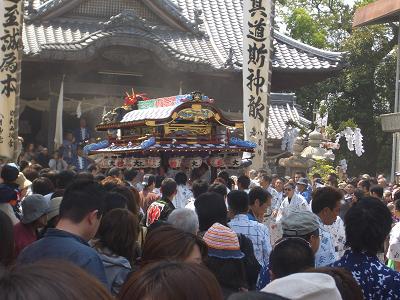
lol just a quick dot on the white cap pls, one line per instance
(307, 286)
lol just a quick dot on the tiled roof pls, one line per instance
(282, 109)
(210, 44)
(149, 114)
(119, 149)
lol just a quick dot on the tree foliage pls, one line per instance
(365, 88)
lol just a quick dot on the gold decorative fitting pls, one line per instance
(150, 123)
(196, 107)
(239, 125)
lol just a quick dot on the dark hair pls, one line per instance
(116, 172)
(181, 178)
(365, 184)
(244, 181)
(50, 280)
(344, 280)
(118, 231)
(81, 198)
(85, 175)
(199, 187)
(31, 174)
(259, 193)
(159, 180)
(301, 173)
(367, 224)
(396, 195)
(42, 186)
(7, 240)
(291, 255)
(210, 208)
(167, 242)
(168, 187)
(225, 176)
(378, 190)
(325, 197)
(218, 188)
(266, 177)
(172, 281)
(397, 205)
(91, 168)
(52, 175)
(151, 179)
(23, 164)
(9, 173)
(114, 200)
(359, 194)
(99, 177)
(130, 174)
(65, 178)
(238, 202)
(230, 273)
(130, 195)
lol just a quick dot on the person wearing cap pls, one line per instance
(147, 197)
(225, 260)
(34, 216)
(302, 189)
(53, 215)
(9, 193)
(23, 185)
(325, 204)
(305, 286)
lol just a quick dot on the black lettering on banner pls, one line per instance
(255, 108)
(256, 5)
(257, 54)
(256, 80)
(9, 85)
(9, 63)
(11, 16)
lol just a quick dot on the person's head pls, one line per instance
(115, 172)
(92, 168)
(115, 200)
(118, 232)
(364, 185)
(299, 175)
(265, 180)
(159, 180)
(218, 188)
(65, 178)
(83, 206)
(259, 200)
(382, 182)
(50, 280)
(169, 243)
(111, 182)
(42, 186)
(397, 208)
(225, 257)
(34, 209)
(357, 196)
(326, 203)
(344, 280)
(149, 182)
(199, 187)
(289, 189)
(7, 240)
(210, 208)
(238, 202)
(168, 188)
(130, 174)
(279, 183)
(30, 173)
(367, 224)
(181, 178)
(9, 173)
(45, 151)
(289, 256)
(302, 224)
(184, 219)
(302, 184)
(377, 191)
(225, 176)
(132, 196)
(243, 182)
(350, 189)
(172, 281)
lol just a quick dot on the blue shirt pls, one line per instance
(258, 233)
(59, 244)
(375, 279)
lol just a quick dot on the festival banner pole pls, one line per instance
(11, 16)
(257, 70)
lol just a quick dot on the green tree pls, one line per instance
(364, 89)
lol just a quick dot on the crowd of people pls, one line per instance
(128, 234)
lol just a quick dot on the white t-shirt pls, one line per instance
(394, 243)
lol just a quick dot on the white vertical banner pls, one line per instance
(58, 135)
(10, 67)
(257, 68)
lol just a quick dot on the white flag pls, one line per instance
(58, 137)
(257, 53)
(79, 110)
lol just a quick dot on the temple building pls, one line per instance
(102, 49)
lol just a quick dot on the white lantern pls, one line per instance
(128, 162)
(154, 162)
(233, 161)
(195, 162)
(120, 163)
(175, 162)
(139, 163)
(217, 162)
